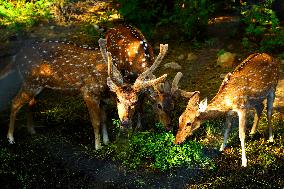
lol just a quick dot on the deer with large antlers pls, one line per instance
(253, 81)
(131, 56)
(63, 66)
(127, 94)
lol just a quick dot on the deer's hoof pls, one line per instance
(244, 163)
(98, 146)
(270, 140)
(11, 139)
(106, 141)
(222, 148)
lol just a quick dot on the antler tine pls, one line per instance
(150, 82)
(163, 51)
(175, 82)
(102, 43)
(140, 81)
(181, 92)
(112, 71)
(109, 64)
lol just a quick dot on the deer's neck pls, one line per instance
(217, 107)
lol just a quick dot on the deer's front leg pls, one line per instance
(30, 123)
(93, 105)
(258, 111)
(242, 129)
(103, 124)
(17, 103)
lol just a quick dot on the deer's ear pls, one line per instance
(112, 86)
(203, 105)
(194, 99)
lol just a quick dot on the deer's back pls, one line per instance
(130, 51)
(61, 66)
(251, 81)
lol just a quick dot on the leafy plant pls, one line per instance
(190, 17)
(19, 14)
(262, 26)
(221, 52)
(157, 151)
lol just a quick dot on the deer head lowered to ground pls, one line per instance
(128, 95)
(164, 97)
(61, 66)
(132, 55)
(253, 81)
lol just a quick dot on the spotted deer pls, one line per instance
(131, 52)
(164, 98)
(132, 55)
(63, 66)
(253, 81)
(129, 95)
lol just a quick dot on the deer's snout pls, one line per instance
(125, 124)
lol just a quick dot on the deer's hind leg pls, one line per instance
(93, 105)
(21, 98)
(258, 108)
(103, 125)
(270, 100)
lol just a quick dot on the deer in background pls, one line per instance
(131, 52)
(164, 97)
(63, 66)
(253, 81)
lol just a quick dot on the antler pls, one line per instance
(176, 89)
(102, 43)
(140, 81)
(175, 82)
(112, 71)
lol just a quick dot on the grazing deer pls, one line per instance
(131, 52)
(128, 96)
(164, 97)
(253, 81)
(63, 66)
(132, 55)
(60, 66)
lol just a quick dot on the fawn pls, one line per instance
(253, 81)
(63, 66)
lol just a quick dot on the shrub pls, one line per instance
(262, 26)
(19, 14)
(189, 17)
(157, 151)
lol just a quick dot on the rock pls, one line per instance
(191, 57)
(172, 65)
(181, 57)
(226, 60)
